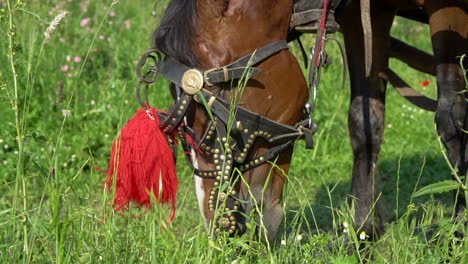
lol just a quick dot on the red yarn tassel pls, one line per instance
(143, 162)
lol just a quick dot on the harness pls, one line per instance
(232, 130)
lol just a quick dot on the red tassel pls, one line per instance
(143, 162)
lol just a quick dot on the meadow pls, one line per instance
(67, 79)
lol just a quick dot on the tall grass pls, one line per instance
(64, 100)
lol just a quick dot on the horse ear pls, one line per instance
(367, 31)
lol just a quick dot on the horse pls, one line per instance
(448, 23)
(229, 136)
(231, 174)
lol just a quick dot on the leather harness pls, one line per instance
(232, 130)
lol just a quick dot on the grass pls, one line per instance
(59, 117)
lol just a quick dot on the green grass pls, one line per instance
(53, 207)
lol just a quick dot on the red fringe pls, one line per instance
(144, 164)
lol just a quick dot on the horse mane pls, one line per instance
(175, 33)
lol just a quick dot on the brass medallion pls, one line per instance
(192, 81)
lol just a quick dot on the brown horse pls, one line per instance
(448, 21)
(207, 34)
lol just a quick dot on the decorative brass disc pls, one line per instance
(192, 81)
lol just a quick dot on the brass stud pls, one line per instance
(216, 156)
(218, 178)
(222, 196)
(216, 151)
(236, 207)
(246, 131)
(184, 102)
(262, 158)
(257, 161)
(179, 112)
(210, 132)
(233, 223)
(255, 133)
(216, 161)
(218, 167)
(225, 222)
(224, 139)
(233, 192)
(232, 218)
(226, 178)
(216, 183)
(217, 230)
(208, 137)
(231, 231)
(233, 228)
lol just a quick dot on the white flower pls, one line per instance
(93, 102)
(363, 236)
(1, 140)
(16, 152)
(345, 224)
(66, 113)
(298, 237)
(6, 146)
(345, 230)
(53, 25)
(283, 242)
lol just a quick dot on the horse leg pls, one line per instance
(449, 29)
(367, 111)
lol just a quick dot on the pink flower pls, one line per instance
(101, 37)
(77, 59)
(65, 68)
(62, 40)
(85, 21)
(112, 14)
(127, 23)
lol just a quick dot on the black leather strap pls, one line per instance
(174, 70)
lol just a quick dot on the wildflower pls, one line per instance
(283, 242)
(112, 14)
(1, 140)
(62, 40)
(92, 102)
(125, 101)
(106, 135)
(109, 106)
(389, 125)
(299, 237)
(53, 25)
(69, 74)
(16, 152)
(363, 236)
(73, 158)
(5, 162)
(345, 227)
(425, 83)
(153, 13)
(65, 165)
(6, 146)
(77, 59)
(66, 113)
(85, 21)
(127, 23)
(65, 68)
(101, 37)
(68, 58)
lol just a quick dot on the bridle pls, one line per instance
(232, 130)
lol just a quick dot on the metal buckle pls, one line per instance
(206, 78)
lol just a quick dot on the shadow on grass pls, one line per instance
(431, 166)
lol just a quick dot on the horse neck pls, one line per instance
(228, 30)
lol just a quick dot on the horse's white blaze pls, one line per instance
(199, 186)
